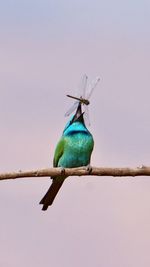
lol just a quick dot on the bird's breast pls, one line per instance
(77, 150)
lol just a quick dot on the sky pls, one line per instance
(45, 48)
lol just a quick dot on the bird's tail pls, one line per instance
(49, 197)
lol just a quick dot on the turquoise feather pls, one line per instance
(78, 146)
(73, 150)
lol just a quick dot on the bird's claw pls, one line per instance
(141, 166)
(62, 170)
(89, 168)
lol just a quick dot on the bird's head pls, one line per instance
(77, 121)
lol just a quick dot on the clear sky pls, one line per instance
(45, 48)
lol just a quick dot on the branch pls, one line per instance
(116, 172)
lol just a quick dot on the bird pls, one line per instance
(73, 150)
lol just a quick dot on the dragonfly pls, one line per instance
(85, 91)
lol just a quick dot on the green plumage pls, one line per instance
(73, 150)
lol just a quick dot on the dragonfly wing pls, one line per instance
(81, 93)
(72, 108)
(91, 87)
(82, 86)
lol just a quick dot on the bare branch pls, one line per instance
(103, 171)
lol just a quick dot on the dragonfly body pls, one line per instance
(73, 150)
(84, 94)
(81, 100)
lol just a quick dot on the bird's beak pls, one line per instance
(78, 115)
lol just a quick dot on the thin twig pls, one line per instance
(102, 171)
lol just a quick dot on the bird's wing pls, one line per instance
(58, 152)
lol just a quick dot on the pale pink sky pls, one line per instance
(45, 48)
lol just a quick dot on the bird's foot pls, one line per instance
(141, 166)
(89, 168)
(62, 170)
